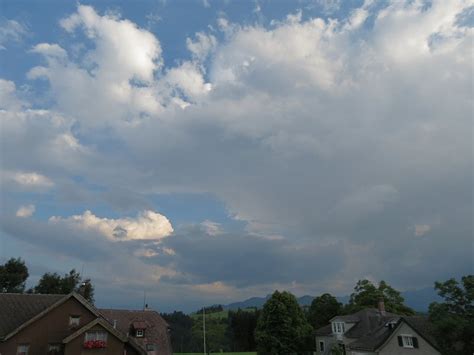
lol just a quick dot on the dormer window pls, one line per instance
(139, 328)
(338, 327)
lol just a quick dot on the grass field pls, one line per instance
(216, 353)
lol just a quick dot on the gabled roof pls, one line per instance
(381, 335)
(98, 321)
(107, 326)
(156, 330)
(20, 310)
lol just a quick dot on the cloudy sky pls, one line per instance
(206, 151)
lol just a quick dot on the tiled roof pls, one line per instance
(17, 309)
(156, 327)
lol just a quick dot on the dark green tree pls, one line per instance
(53, 283)
(13, 275)
(367, 295)
(181, 332)
(49, 283)
(282, 327)
(453, 319)
(86, 289)
(322, 309)
(242, 324)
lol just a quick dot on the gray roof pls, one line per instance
(371, 330)
(366, 321)
(17, 309)
(369, 320)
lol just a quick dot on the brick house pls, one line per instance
(34, 324)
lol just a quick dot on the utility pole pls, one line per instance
(204, 327)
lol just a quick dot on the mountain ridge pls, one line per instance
(419, 300)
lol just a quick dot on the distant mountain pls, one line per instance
(419, 300)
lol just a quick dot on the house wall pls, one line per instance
(328, 343)
(53, 327)
(392, 347)
(76, 346)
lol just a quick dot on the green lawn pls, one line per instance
(216, 353)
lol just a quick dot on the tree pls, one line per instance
(367, 295)
(282, 327)
(453, 319)
(53, 283)
(242, 324)
(13, 275)
(181, 332)
(322, 309)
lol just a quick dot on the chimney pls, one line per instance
(381, 307)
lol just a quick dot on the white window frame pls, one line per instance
(96, 335)
(23, 349)
(54, 347)
(338, 327)
(74, 321)
(407, 341)
(139, 333)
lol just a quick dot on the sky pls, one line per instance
(206, 151)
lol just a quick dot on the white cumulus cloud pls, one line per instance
(26, 211)
(147, 225)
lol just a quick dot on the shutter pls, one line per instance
(415, 342)
(400, 341)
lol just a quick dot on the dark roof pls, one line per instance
(17, 309)
(366, 321)
(156, 327)
(369, 320)
(324, 331)
(373, 340)
(424, 327)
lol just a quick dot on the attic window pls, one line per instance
(338, 327)
(408, 341)
(23, 349)
(74, 321)
(139, 333)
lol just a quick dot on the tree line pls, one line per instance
(14, 273)
(283, 327)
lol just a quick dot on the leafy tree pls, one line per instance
(453, 319)
(87, 290)
(53, 283)
(13, 275)
(282, 327)
(322, 309)
(367, 295)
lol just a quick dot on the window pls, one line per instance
(338, 327)
(23, 349)
(95, 340)
(74, 321)
(150, 347)
(321, 346)
(408, 341)
(139, 333)
(54, 349)
(96, 335)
